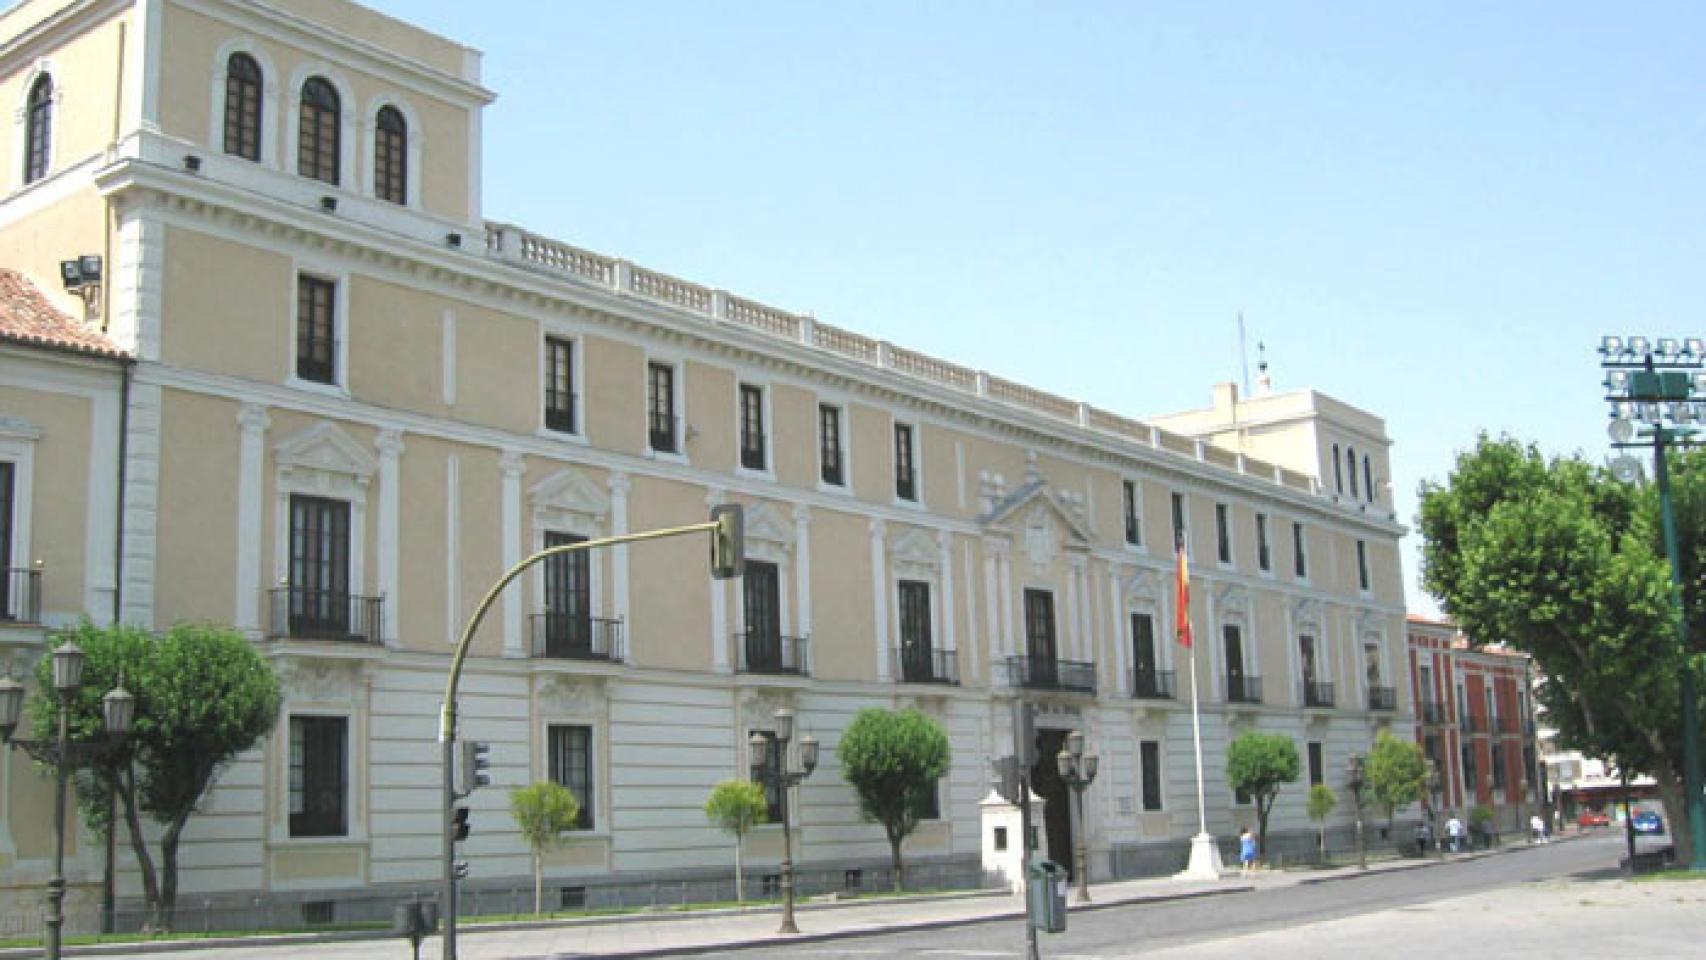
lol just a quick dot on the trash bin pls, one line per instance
(1045, 896)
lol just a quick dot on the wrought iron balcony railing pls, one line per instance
(20, 594)
(1152, 684)
(1317, 693)
(1383, 698)
(1047, 673)
(926, 665)
(565, 636)
(769, 653)
(1244, 689)
(299, 613)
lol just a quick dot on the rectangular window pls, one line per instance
(1222, 533)
(830, 462)
(1362, 565)
(769, 775)
(1299, 552)
(660, 406)
(1371, 663)
(318, 776)
(568, 599)
(559, 385)
(1317, 766)
(1039, 625)
(1149, 756)
(569, 751)
(316, 346)
(933, 804)
(1146, 682)
(905, 469)
(1498, 768)
(751, 427)
(1237, 689)
(1471, 782)
(1179, 522)
(1133, 528)
(916, 662)
(319, 567)
(1264, 556)
(761, 594)
(7, 481)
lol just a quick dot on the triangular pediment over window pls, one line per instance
(326, 448)
(570, 491)
(1021, 509)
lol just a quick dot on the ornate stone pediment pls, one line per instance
(765, 524)
(568, 492)
(1307, 612)
(569, 695)
(1142, 587)
(325, 448)
(916, 552)
(322, 680)
(1232, 600)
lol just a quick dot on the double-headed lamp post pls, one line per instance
(1078, 769)
(117, 709)
(785, 780)
(1656, 389)
(1354, 780)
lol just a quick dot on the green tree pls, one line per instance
(1396, 773)
(544, 811)
(735, 807)
(1321, 802)
(893, 761)
(1259, 764)
(203, 695)
(1561, 561)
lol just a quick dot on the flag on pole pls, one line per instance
(1182, 608)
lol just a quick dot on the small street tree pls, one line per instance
(1397, 773)
(735, 807)
(1259, 764)
(203, 695)
(1321, 802)
(893, 761)
(544, 811)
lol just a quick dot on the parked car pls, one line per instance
(1592, 818)
(1648, 822)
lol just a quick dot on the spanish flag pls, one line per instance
(1182, 607)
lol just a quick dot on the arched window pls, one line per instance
(1351, 462)
(317, 133)
(391, 156)
(243, 107)
(40, 127)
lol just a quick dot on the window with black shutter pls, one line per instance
(318, 776)
(243, 107)
(1179, 521)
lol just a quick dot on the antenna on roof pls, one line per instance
(1243, 353)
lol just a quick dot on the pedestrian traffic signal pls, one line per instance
(728, 541)
(476, 767)
(460, 869)
(459, 822)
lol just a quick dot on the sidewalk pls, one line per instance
(633, 936)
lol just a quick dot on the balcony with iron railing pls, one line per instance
(1152, 685)
(771, 654)
(1383, 698)
(20, 594)
(567, 636)
(1047, 673)
(299, 613)
(1243, 689)
(1317, 694)
(926, 665)
(1433, 712)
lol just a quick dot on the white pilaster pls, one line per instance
(511, 465)
(1117, 630)
(447, 337)
(950, 603)
(974, 657)
(252, 422)
(141, 504)
(879, 597)
(620, 484)
(1071, 648)
(452, 550)
(803, 567)
(1011, 616)
(390, 443)
(992, 610)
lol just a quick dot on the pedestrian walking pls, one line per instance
(1246, 853)
(1537, 827)
(1454, 834)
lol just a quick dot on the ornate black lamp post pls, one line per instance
(1354, 780)
(785, 780)
(1078, 769)
(117, 708)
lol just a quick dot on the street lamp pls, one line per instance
(118, 707)
(785, 780)
(1354, 780)
(1655, 389)
(1078, 769)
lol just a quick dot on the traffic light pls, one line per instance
(476, 768)
(460, 869)
(460, 824)
(728, 541)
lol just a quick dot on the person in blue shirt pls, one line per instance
(1246, 853)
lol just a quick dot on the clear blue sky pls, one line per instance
(1428, 210)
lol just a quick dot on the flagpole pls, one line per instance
(1196, 737)
(1205, 853)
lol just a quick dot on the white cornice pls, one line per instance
(53, 31)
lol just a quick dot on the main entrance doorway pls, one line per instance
(1046, 783)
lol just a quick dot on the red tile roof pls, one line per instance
(28, 317)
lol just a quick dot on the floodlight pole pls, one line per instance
(1691, 772)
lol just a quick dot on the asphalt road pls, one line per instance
(1152, 928)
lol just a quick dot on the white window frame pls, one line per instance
(291, 100)
(339, 278)
(568, 502)
(369, 185)
(21, 124)
(769, 538)
(355, 796)
(1141, 546)
(596, 745)
(678, 405)
(844, 422)
(1183, 533)
(1365, 570)
(1224, 508)
(269, 101)
(577, 371)
(1160, 773)
(914, 556)
(1300, 547)
(916, 443)
(349, 482)
(767, 423)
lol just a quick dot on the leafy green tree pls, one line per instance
(1320, 806)
(544, 811)
(893, 760)
(203, 695)
(1396, 773)
(1259, 764)
(1561, 561)
(735, 807)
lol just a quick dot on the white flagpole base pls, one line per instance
(1205, 860)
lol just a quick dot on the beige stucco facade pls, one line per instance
(431, 434)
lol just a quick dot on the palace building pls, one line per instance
(264, 361)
